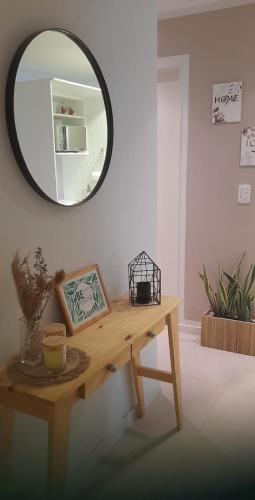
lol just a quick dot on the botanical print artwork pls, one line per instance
(84, 297)
(226, 102)
(248, 147)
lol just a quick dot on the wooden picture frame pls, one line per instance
(83, 298)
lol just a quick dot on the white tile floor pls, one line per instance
(213, 457)
(218, 390)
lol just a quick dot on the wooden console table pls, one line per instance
(111, 343)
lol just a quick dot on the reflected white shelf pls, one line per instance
(66, 97)
(72, 117)
(73, 153)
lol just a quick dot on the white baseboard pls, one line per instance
(188, 326)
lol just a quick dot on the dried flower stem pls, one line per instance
(33, 287)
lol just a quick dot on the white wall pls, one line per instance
(32, 100)
(114, 226)
(74, 172)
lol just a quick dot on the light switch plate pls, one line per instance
(244, 193)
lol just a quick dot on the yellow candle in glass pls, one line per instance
(54, 352)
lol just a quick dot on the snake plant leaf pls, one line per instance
(208, 288)
(230, 278)
(247, 281)
(232, 291)
(236, 272)
(252, 279)
(219, 271)
(223, 294)
(212, 300)
(216, 309)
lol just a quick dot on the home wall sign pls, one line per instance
(248, 147)
(226, 102)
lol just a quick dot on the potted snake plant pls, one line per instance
(229, 324)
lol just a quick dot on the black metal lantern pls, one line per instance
(144, 281)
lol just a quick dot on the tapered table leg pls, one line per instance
(172, 324)
(58, 445)
(138, 382)
(6, 428)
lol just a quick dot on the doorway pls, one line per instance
(172, 138)
(168, 185)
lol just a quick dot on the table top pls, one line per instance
(101, 341)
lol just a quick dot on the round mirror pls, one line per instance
(59, 117)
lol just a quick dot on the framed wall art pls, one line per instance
(226, 102)
(83, 298)
(248, 147)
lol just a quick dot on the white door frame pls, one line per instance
(181, 63)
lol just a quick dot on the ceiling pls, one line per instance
(176, 8)
(52, 54)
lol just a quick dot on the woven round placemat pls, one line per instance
(39, 376)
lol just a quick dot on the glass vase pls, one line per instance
(30, 342)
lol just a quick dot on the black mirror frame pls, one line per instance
(10, 116)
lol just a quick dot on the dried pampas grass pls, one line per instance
(34, 287)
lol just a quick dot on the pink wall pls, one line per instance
(221, 45)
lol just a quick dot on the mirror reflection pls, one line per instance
(60, 118)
